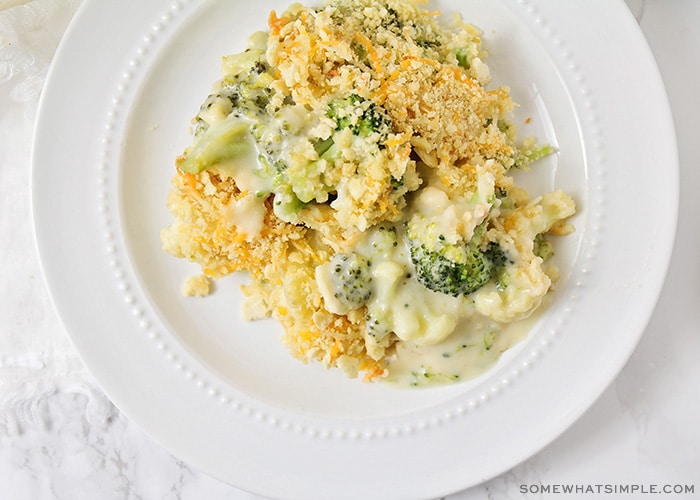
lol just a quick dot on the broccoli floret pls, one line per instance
(457, 269)
(542, 247)
(228, 116)
(362, 116)
(352, 279)
(286, 203)
(466, 269)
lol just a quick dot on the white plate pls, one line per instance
(225, 395)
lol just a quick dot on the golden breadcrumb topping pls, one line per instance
(356, 164)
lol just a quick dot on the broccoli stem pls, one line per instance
(223, 141)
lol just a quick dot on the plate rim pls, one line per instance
(55, 285)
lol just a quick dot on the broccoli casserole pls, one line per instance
(355, 163)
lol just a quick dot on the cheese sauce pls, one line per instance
(416, 232)
(444, 339)
(474, 347)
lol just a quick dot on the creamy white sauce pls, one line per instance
(244, 168)
(398, 303)
(475, 346)
(410, 310)
(247, 214)
(444, 339)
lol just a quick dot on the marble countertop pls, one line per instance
(61, 437)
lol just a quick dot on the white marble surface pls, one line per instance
(61, 438)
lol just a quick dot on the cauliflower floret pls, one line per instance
(524, 283)
(527, 285)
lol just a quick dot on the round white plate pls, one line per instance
(225, 395)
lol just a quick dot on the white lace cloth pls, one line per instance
(33, 347)
(61, 438)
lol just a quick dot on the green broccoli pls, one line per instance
(220, 142)
(462, 55)
(352, 280)
(456, 269)
(542, 247)
(227, 118)
(308, 181)
(530, 152)
(362, 116)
